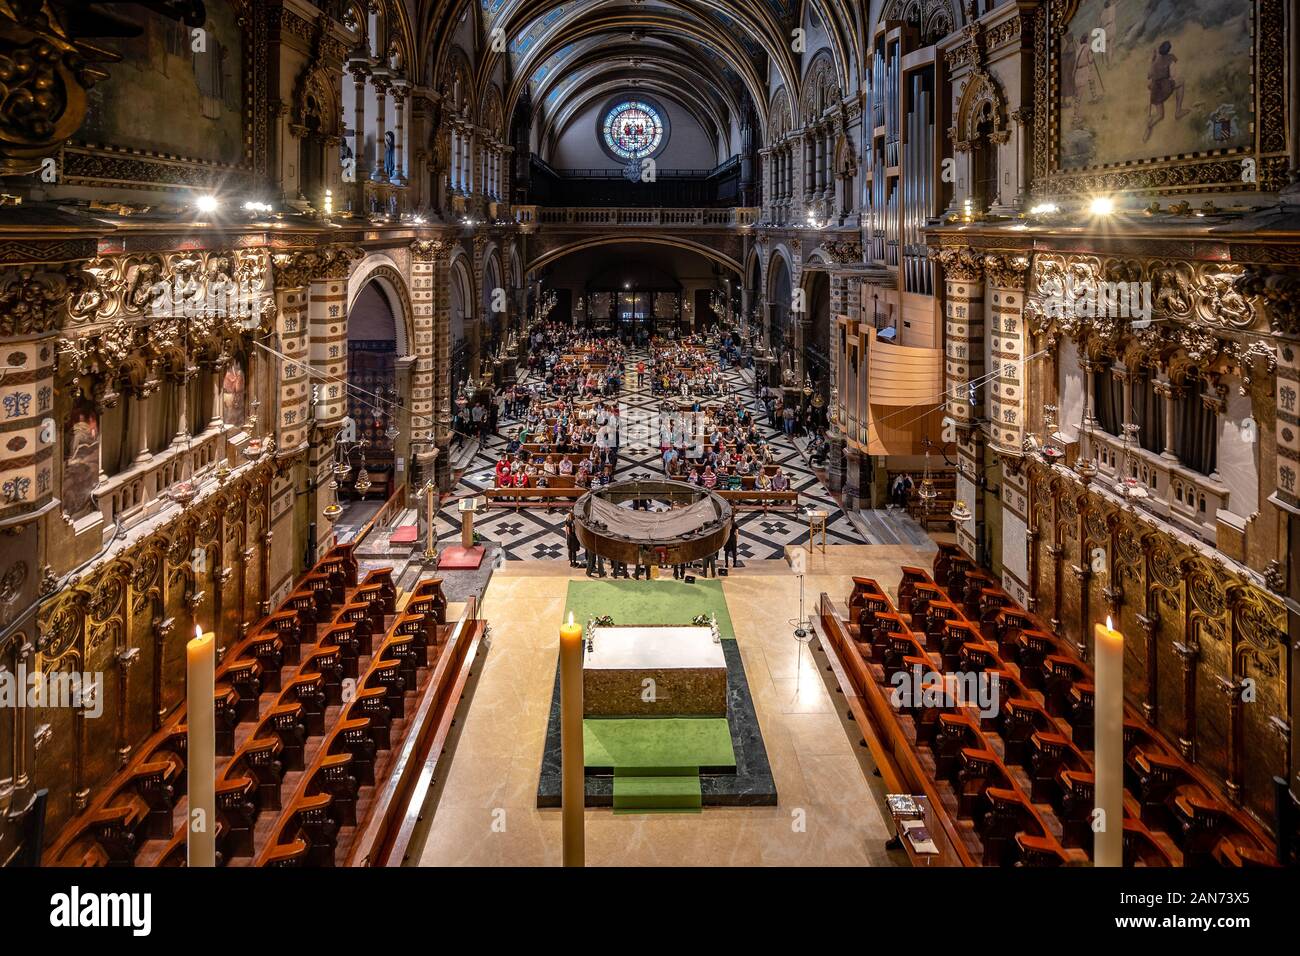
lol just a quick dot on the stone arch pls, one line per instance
(493, 278)
(933, 19)
(781, 121)
(981, 98)
(384, 270)
(559, 252)
(820, 87)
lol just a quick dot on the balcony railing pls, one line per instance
(609, 187)
(633, 216)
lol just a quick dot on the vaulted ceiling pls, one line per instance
(713, 57)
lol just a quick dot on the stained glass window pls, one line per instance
(633, 129)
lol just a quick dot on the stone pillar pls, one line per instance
(457, 159)
(431, 381)
(328, 345)
(381, 82)
(857, 479)
(819, 180)
(1008, 410)
(964, 367)
(1168, 393)
(400, 93)
(360, 70)
(182, 380)
(136, 446)
(964, 331)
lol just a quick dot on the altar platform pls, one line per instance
(639, 671)
(661, 759)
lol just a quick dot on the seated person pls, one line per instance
(709, 478)
(550, 467)
(694, 476)
(503, 473)
(779, 481)
(566, 466)
(734, 483)
(763, 482)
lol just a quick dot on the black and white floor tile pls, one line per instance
(538, 533)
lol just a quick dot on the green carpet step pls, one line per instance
(657, 743)
(637, 793)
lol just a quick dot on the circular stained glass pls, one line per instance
(633, 129)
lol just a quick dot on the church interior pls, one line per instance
(637, 433)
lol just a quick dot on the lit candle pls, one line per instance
(572, 770)
(1108, 745)
(201, 749)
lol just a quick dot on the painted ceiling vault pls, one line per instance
(716, 58)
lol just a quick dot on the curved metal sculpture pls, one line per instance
(696, 526)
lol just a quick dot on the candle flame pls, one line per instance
(570, 619)
(198, 632)
(1109, 626)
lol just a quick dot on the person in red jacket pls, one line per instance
(503, 472)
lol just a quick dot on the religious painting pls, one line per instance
(1149, 79)
(80, 459)
(178, 90)
(232, 393)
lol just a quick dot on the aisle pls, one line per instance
(534, 534)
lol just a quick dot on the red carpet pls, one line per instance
(406, 534)
(460, 559)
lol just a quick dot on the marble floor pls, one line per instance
(830, 812)
(536, 534)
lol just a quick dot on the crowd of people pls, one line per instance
(570, 428)
(570, 425)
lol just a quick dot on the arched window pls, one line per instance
(985, 176)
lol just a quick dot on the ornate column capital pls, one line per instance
(1009, 271)
(960, 263)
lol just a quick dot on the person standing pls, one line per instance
(731, 551)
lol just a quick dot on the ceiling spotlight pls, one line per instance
(206, 204)
(1101, 206)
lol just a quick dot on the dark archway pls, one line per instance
(372, 375)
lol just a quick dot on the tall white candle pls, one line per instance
(1108, 745)
(573, 790)
(201, 750)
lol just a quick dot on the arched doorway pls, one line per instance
(493, 307)
(462, 319)
(780, 329)
(370, 442)
(817, 348)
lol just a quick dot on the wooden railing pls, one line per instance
(390, 508)
(399, 803)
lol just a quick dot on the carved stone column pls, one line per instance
(360, 69)
(401, 91)
(1169, 393)
(382, 83)
(431, 379)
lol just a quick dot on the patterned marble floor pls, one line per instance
(535, 533)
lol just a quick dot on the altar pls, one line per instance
(654, 672)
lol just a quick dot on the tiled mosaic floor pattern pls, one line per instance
(535, 533)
